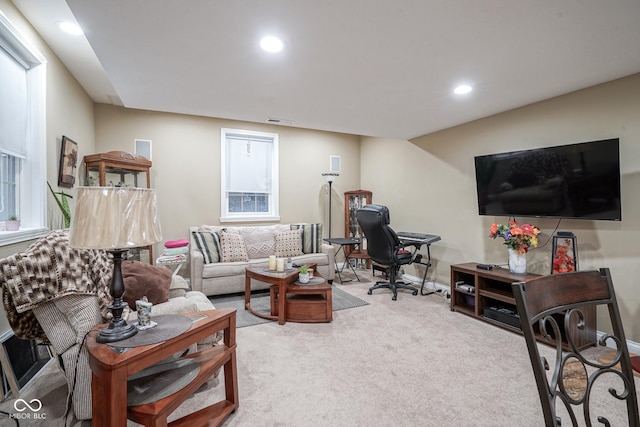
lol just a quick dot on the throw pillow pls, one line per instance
(209, 245)
(142, 279)
(311, 237)
(289, 243)
(233, 248)
(259, 243)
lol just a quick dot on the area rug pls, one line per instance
(260, 302)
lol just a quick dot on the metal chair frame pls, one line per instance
(552, 307)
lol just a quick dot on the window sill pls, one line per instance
(22, 235)
(249, 219)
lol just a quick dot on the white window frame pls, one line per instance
(33, 173)
(273, 213)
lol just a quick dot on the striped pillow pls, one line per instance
(311, 237)
(209, 245)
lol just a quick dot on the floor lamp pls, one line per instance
(330, 176)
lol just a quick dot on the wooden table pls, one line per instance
(310, 303)
(110, 370)
(281, 280)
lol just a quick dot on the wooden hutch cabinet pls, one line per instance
(354, 200)
(119, 168)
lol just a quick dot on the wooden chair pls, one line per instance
(551, 307)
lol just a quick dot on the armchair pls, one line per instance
(56, 294)
(384, 247)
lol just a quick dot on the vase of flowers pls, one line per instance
(517, 262)
(518, 238)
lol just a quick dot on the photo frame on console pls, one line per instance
(564, 253)
(68, 163)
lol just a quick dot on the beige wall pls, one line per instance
(69, 112)
(186, 166)
(436, 176)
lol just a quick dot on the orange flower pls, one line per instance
(516, 231)
(517, 237)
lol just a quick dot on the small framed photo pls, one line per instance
(68, 163)
(564, 257)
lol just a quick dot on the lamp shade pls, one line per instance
(114, 217)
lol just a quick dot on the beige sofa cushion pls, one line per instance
(222, 269)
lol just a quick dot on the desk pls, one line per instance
(342, 243)
(110, 370)
(417, 240)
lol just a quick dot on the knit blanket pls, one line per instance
(47, 270)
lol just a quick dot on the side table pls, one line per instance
(176, 262)
(111, 367)
(342, 242)
(310, 303)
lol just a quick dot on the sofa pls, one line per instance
(56, 294)
(219, 255)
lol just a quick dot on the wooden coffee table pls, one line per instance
(306, 303)
(279, 280)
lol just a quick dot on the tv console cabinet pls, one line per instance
(487, 295)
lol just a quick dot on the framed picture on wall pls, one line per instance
(68, 163)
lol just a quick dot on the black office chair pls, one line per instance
(384, 247)
(555, 306)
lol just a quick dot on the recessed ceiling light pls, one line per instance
(70, 28)
(271, 44)
(462, 89)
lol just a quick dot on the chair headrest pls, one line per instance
(381, 210)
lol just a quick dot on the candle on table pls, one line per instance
(272, 262)
(280, 264)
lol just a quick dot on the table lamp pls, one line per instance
(115, 219)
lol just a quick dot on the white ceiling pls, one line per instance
(382, 68)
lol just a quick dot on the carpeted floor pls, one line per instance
(410, 362)
(260, 302)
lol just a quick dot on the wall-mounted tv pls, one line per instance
(580, 181)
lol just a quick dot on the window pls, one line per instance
(22, 140)
(249, 176)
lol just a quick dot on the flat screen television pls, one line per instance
(579, 181)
